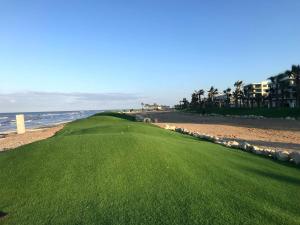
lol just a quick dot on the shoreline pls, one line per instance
(12, 140)
(33, 129)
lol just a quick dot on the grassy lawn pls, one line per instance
(272, 112)
(108, 170)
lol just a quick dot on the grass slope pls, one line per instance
(108, 170)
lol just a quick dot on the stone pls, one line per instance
(147, 120)
(139, 118)
(290, 118)
(295, 157)
(234, 144)
(245, 146)
(256, 150)
(282, 155)
(178, 129)
(216, 139)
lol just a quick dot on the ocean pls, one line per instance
(41, 119)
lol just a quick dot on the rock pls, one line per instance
(139, 118)
(147, 120)
(178, 129)
(295, 157)
(256, 150)
(168, 127)
(216, 139)
(185, 131)
(196, 134)
(219, 142)
(233, 144)
(282, 155)
(245, 146)
(290, 118)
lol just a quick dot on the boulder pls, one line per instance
(282, 155)
(233, 144)
(185, 131)
(216, 139)
(245, 146)
(256, 150)
(290, 118)
(168, 127)
(139, 118)
(295, 157)
(178, 129)
(147, 120)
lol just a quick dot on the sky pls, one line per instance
(75, 55)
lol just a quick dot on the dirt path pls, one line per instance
(270, 133)
(14, 140)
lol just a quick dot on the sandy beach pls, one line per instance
(14, 140)
(271, 133)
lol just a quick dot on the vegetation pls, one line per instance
(280, 93)
(111, 170)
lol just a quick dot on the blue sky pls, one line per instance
(141, 50)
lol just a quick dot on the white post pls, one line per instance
(20, 124)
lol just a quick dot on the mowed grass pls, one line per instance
(108, 170)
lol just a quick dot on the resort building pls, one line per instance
(256, 94)
(257, 89)
(283, 90)
(156, 107)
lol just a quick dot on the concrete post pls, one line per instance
(20, 124)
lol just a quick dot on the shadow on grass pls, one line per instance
(3, 214)
(278, 177)
(118, 115)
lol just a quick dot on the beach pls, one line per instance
(270, 133)
(13, 140)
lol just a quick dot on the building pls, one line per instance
(257, 89)
(221, 100)
(256, 94)
(156, 107)
(283, 90)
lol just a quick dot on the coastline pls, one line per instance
(12, 140)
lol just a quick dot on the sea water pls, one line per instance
(41, 119)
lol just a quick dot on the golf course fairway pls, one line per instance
(110, 170)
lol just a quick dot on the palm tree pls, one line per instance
(200, 93)
(142, 106)
(248, 94)
(238, 93)
(185, 103)
(273, 92)
(195, 99)
(228, 94)
(212, 92)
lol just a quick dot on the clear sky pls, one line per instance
(112, 54)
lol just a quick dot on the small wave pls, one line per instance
(52, 114)
(3, 118)
(28, 121)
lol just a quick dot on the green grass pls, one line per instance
(272, 112)
(108, 170)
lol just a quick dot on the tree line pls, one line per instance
(241, 96)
